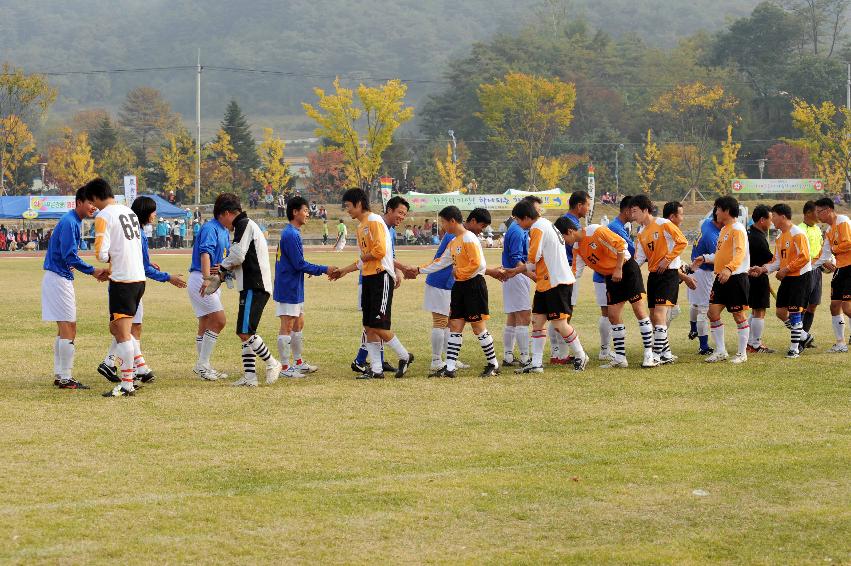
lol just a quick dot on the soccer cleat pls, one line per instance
(404, 365)
(71, 383)
(305, 367)
(273, 371)
(490, 371)
(605, 355)
(137, 383)
(716, 357)
(119, 391)
(649, 361)
(358, 368)
(291, 373)
(615, 363)
(529, 368)
(437, 372)
(792, 354)
(56, 380)
(758, 350)
(705, 351)
(692, 334)
(205, 373)
(554, 361)
(387, 366)
(450, 373)
(810, 342)
(765, 349)
(109, 372)
(739, 358)
(581, 362)
(668, 359)
(461, 365)
(838, 349)
(146, 377)
(218, 374)
(508, 360)
(246, 381)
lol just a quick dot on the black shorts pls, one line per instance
(251, 305)
(376, 300)
(555, 302)
(814, 290)
(733, 294)
(793, 291)
(840, 285)
(630, 288)
(469, 300)
(124, 299)
(663, 289)
(759, 296)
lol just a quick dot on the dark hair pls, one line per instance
(294, 204)
(626, 202)
(226, 202)
(525, 209)
(578, 198)
(671, 208)
(809, 206)
(144, 207)
(643, 202)
(825, 202)
(728, 204)
(782, 209)
(532, 198)
(356, 196)
(395, 202)
(451, 213)
(81, 195)
(565, 225)
(760, 211)
(480, 215)
(98, 189)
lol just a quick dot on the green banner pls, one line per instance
(435, 203)
(778, 186)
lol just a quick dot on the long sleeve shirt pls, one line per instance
(837, 243)
(660, 240)
(599, 250)
(706, 243)
(290, 267)
(732, 250)
(62, 249)
(444, 278)
(465, 253)
(151, 272)
(792, 252)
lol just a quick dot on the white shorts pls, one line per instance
(360, 290)
(574, 297)
(289, 309)
(58, 302)
(700, 295)
(517, 294)
(202, 305)
(437, 300)
(140, 314)
(600, 294)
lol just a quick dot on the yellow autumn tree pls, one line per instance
(273, 170)
(118, 161)
(826, 132)
(70, 163)
(550, 171)
(219, 160)
(363, 130)
(177, 157)
(18, 153)
(647, 165)
(451, 173)
(525, 115)
(724, 171)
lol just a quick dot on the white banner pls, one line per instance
(130, 189)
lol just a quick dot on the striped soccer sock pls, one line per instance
(486, 342)
(453, 350)
(249, 360)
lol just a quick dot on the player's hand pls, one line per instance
(698, 261)
(177, 281)
(214, 269)
(399, 278)
(782, 273)
(690, 282)
(663, 266)
(617, 276)
(724, 276)
(332, 272)
(829, 267)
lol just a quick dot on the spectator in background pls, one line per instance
(2, 240)
(175, 234)
(324, 232)
(281, 203)
(323, 214)
(314, 210)
(149, 231)
(182, 232)
(196, 227)
(253, 198)
(171, 197)
(409, 235)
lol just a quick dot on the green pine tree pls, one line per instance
(236, 125)
(104, 137)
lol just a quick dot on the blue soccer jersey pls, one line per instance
(290, 267)
(151, 272)
(707, 242)
(443, 279)
(62, 250)
(213, 239)
(515, 246)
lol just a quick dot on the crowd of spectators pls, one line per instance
(14, 238)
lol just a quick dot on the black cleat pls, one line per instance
(71, 384)
(119, 392)
(810, 342)
(110, 373)
(449, 373)
(369, 374)
(692, 334)
(509, 363)
(147, 377)
(439, 372)
(357, 368)
(387, 366)
(490, 371)
(705, 351)
(404, 365)
(56, 381)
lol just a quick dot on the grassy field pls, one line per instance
(598, 467)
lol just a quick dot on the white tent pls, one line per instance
(418, 194)
(555, 191)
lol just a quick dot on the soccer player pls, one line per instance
(469, 296)
(673, 211)
(837, 243)
(248, 259)
(816, 240)
(606, 253)
(516, 290)
(578, 205)
(118, 241)
(619, 225)
(731, 262)
(704, 277)
(290, 268)
(660, 244)
(58, 302)
(379, 277)
(792, 264)
(342, 234)
(759, 295)
(208, 250)
(145, 209)
(553, 280)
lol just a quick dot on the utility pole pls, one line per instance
(618, 170)
(198, 132)
(848, 105)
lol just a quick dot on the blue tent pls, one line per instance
(52, 208)
(165, 209)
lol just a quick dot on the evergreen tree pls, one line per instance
(104, 137)
(236, 126)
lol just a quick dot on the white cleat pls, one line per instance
(291, 373)
(669, 359)
(716, 357)
(615, 363)
(305, 367)
(605, 355)
(650, 361)
(205, 373)
(219, 374)
(246, 381)
(581, 362)
(461, 365)
(838, 349)
(273, 371)
(739, 358)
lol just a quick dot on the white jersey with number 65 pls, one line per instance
(118, 240)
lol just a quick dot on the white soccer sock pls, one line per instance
(249, 360)
(66, 358)
(445, 340)
(284, 349)
(508, 342)
(646, 329)
(572, 340)
(109, 359)
(374, 350)
(702, 322)
(198, 340)
(397, 347)
(692, 313)
(453, 350)
(124, 350)
(539, 339)
(742, 332)
(298, 346)
(207, 345)
(838, 323)
(57, 361)
(486, 342)
(605, 332)
(138, 359)
(555, 341)
(521, 334)
(259, 348)
(717, 329)
(757, 328)
(437, 335)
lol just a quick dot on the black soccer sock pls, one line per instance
(808, 320)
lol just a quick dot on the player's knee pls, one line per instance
(439, 320)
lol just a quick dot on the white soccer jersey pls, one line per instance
(547, 256)
(118, 241)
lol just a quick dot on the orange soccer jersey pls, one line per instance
(837, 242)
(374, 239)
(661, 239)
(732, 252)
(465, 253)
(599, 250)
(792, 251)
